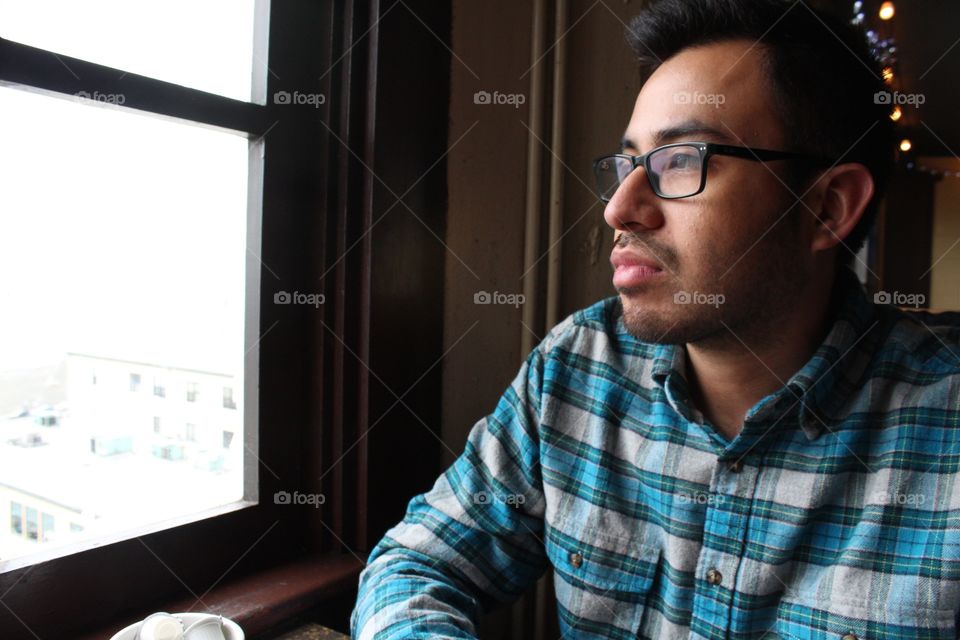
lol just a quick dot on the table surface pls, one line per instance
(313, 632)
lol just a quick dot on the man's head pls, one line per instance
(760, 75)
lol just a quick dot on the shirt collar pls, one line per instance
(818, 390)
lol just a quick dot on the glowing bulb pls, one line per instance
(905, 145)
(887, 11)
(888, 74)
(897, 114)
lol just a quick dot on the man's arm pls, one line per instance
(470, 543)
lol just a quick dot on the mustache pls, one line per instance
(657, 250)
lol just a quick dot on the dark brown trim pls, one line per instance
(339, 279)
(365, 275)
(408, 256)
(267, 599)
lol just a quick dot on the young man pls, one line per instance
(740, 444)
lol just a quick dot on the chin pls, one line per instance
(670, 323)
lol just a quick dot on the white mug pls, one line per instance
(230, 629)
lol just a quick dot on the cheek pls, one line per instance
(702, 240)
(741, 210)
(722, 230)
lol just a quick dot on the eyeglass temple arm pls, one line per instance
(761, 154)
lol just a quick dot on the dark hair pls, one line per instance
(823, 75)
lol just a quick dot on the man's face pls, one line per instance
(734, 254)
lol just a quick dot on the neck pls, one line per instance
(729, 374)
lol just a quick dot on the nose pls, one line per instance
(634, 205)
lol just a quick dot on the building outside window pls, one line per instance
(228, 402)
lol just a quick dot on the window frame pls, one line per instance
(327, 376)
(94, 586)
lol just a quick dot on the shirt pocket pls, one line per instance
(601, 583)
(799, 619)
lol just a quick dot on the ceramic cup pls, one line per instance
(207, 629)
(160, 626)
(230, 629)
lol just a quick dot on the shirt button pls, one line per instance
(849, 636)
(736, 467)
(714, 576)
(576, 560)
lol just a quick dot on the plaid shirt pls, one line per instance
(835, 513)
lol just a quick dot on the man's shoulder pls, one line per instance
(925, 342)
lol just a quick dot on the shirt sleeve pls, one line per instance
(471, 543)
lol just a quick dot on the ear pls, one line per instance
(844, 192)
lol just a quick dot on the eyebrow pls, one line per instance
(680, 133)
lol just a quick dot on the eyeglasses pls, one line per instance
(678, 170)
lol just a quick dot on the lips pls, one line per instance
(627, 259)
(632, 270)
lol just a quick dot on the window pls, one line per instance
(306, 168)
(139, 323)
(174, 196)
(48, 530)
(228, 402)
(193, 389)
(33, 524)
(16, 518)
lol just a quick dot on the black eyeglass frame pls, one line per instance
(706, 149)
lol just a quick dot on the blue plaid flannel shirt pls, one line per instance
(835, 513)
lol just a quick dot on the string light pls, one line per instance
(887, 11)
(884, 51)
(936, 173)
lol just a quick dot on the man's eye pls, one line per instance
(683, 161)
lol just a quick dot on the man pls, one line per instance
(740, 444)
